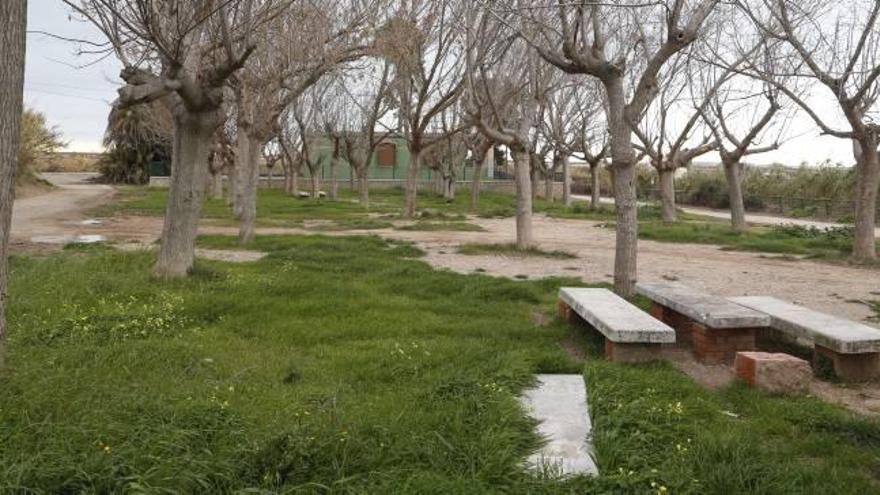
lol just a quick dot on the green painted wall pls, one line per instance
(325, 149)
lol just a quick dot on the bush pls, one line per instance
(37, 141)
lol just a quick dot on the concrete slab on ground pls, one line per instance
(559, 402)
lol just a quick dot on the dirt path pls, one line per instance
(753, 218)
(58, 211)
(836, 289)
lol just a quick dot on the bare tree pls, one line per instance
(523, 87)
(740, 113)
(183, 57)
(13, 18)
(423, 42)
(618, 42)
(479, 146)
(837, 46)
(669, 144)
(300, 46)
(306, 114)
(361, 129)
(591, 139)
(559, 128)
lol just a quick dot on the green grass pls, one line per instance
(512, 250)
(274, 208)
(277, 209)
(776, 240)
(346, 365)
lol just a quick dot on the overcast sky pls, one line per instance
(74, 92)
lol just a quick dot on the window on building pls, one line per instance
(386, 155)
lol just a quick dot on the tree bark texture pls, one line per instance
(192, 146)
(13, 19)
(733, 171)
(523, 179)
(667, 194)
(412, 185)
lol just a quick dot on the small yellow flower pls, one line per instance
(107, 449)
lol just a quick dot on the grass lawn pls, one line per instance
(348, 365)
(277, 209)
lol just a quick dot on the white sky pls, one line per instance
(75, 95)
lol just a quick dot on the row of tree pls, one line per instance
(615, 81)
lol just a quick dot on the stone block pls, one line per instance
(775, 373)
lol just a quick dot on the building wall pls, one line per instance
(324, 149)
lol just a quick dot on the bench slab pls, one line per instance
(812, 327)
(617, 319)
(706, 309)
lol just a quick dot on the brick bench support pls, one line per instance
(709, 345)
(851, 367)
(853, 347)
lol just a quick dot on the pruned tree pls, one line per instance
(221, 161)
(362, 129)
(479, 147)
(513, 102)
(741, 113)
(590, 138)
(301, 45)
(13, 18)
(271, 156)
(305, 114)
(183, 56)
(668, 142)
(625, 45)
(423, 42)
(838, 47)
(559, 127)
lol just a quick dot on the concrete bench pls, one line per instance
(715, 328)
(631, 335)
(853, 347)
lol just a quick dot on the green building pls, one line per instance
(390, 161)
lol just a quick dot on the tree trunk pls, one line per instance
(315, 182)
(475, 182)
(667, 194)
(412, 176)
(733, 171)
(334, 180)
(242, 173)
(294, 180)
(230, 186)
(533, 181)
(217, 185)
(189, 170)
(595, 186)
(449, 188)
(248, 198)
(867, 182)
(351, 178)
(13, 18)
(548, 186)
(623, 166)
(364, 185)
(523, 180)
(566, 182)
(269, 178)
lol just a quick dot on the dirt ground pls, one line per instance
(836, 289)
(40, 221)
